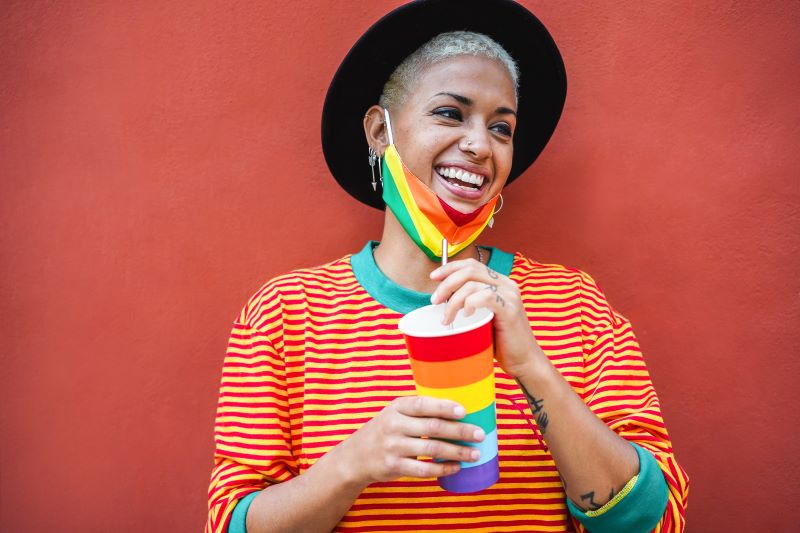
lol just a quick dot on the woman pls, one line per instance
(318, 427)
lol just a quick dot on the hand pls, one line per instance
(387, 447)
(468, 284)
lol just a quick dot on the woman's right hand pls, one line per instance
(388, 446)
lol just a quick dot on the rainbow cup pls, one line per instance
(457, 363)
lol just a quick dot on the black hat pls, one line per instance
(359, 81)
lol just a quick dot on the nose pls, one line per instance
(476, 141)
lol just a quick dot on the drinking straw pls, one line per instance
(444, 262)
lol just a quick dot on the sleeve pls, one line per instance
(618, 389)
(252, 430)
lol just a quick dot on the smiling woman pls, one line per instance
(458, 119)
(457, 154)
(318, 426)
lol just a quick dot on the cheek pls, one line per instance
(422, 150)
(506, 159)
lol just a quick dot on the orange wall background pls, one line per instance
(160, 160)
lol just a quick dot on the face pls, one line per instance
(455, 129)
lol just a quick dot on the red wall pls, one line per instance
(159, 161)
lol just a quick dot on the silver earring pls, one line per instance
(491, 220)
(373, 159)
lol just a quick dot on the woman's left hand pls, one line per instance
(468, 284)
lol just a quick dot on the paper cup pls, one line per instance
(457, 363)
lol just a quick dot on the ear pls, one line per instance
(375, 129)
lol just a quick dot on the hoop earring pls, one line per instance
(491, 220)
(373, 159)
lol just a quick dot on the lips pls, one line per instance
(461, 182)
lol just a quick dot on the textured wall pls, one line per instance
(159, 160)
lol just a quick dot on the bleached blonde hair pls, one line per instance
(443, 46)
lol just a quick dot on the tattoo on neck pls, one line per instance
(537, 408)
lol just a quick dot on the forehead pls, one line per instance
(478, 77)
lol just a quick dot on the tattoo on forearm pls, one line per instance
(593, 505)
(542, 420)
(537, 408)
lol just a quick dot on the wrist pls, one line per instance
(534, 365)
(345, 470)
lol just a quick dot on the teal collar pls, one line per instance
(398, 298)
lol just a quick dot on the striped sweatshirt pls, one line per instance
(316, 353)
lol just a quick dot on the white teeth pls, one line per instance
(461, 175)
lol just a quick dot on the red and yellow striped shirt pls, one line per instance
(316, 353)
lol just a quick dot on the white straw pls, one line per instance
(444, 262)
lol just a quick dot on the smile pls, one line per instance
(461, 178)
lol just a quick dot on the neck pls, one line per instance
(401, 260)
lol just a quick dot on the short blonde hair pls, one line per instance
(443, 46)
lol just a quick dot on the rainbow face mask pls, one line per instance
(426, 218)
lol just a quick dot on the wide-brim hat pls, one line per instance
(359, 81)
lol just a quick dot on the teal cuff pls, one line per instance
(640, 510)
(238, 523)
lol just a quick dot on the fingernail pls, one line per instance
(478, 435)
(459, 411)
(475, 455)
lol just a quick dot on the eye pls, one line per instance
(447, 112)
(503, 128)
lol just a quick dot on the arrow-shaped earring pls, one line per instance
(373, 158)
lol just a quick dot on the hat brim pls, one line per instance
(359, 81)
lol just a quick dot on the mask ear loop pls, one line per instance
(388, 126)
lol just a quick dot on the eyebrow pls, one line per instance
(468, 102)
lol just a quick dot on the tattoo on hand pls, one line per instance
(492, 273)
(497, 297)
(537, 408)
